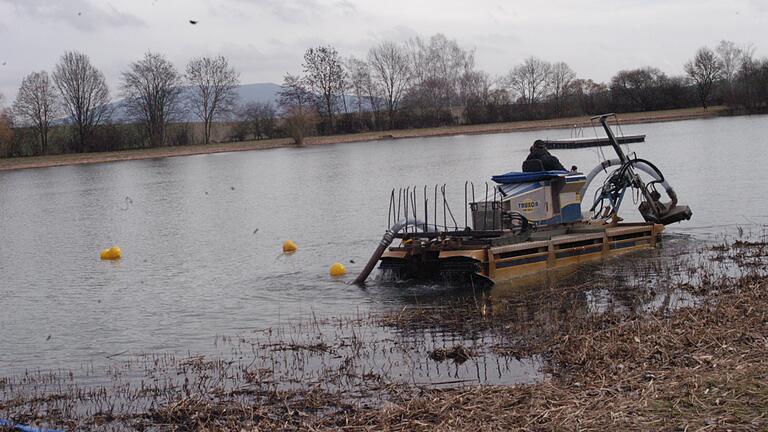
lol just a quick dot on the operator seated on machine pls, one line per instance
(539, 159)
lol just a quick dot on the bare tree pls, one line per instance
(214, 83)
(450, 63)
(294, 93)
(358, 74)
(152, 87)
(730, 59)
(590, 97)
(389, 64)
(374, 94)
(475, 93)
(560, 78)
(36, 104)
(442, 60)
(751, 84)
(439, 69)
(84, 93)
(300, 123)
(705, 70)
(638, 86)
(747, 53)
(258, 119)
(6, 133)
(530, 80)
(367, 91)
(299, 115)
(325, 76)
(498, 98)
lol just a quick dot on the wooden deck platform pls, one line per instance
(507, 262)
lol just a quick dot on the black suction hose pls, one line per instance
(386, 240)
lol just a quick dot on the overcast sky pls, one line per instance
(264, 39)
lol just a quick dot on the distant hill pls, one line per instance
(246, 93)
(259, 92)
(267, 92)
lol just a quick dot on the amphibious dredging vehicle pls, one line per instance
(527, 222)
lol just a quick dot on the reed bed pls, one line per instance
(702, 367)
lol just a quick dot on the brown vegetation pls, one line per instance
(6, 134)
(699, 367)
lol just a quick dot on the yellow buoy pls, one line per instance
(113, 253)
(289, 246)
(338, 269)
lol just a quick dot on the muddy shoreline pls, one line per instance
(162, 152)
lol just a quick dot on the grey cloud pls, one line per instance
(303, 11)
(80, 14)
(345, 7)
(400, 33)
(276, 42)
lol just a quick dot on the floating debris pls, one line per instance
(128, 203)
(459, 354)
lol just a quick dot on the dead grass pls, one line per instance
(115, 156)
(699, 368)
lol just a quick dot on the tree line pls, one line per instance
(417, 83)
(73, 103)
(434, 82)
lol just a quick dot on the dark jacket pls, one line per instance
(550, 163)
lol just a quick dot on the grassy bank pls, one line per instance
(84, 158)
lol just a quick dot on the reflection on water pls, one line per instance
(201, 239)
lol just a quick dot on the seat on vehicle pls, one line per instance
(533, 165)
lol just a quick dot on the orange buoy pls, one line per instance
(111, 254)
(337, 269)
(289, 246)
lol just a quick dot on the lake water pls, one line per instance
(201, 235)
